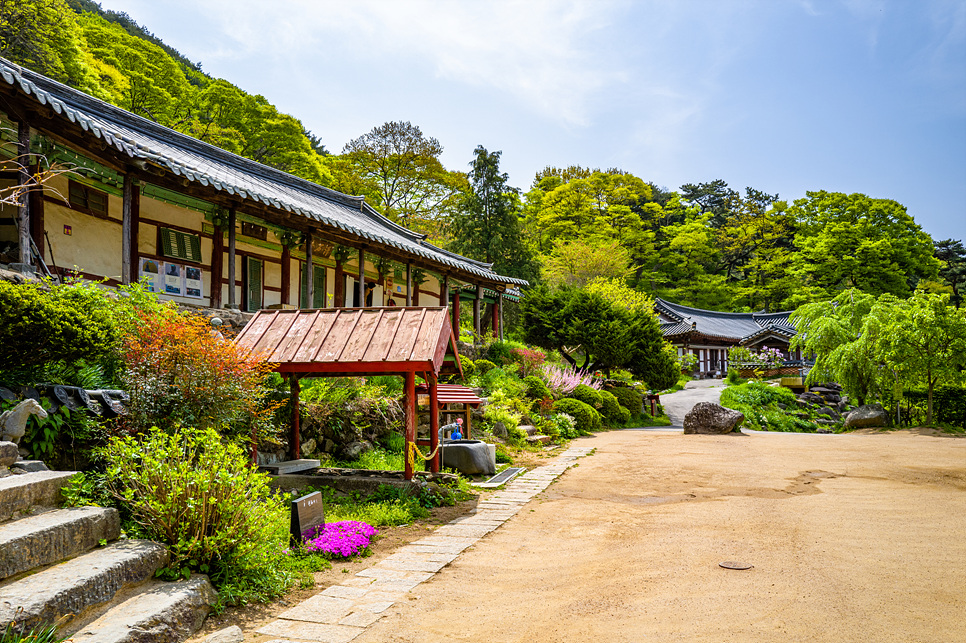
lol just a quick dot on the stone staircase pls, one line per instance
(67, 566)
(533, 435)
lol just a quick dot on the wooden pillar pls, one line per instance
(232, 301)
(410, 407)
(308, 275)
(36, 206)
(499, 316)
(409, 284)
(433, 422)
(361, 283)
(127, 230)
(456, 316)
(217, 266)
(477, 316)
(295, 436)
(495, 317)
(286, 274)
(339, 285)
(444, 291)
(23, 161)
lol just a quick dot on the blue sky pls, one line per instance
(784, 96)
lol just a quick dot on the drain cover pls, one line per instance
(730, 564)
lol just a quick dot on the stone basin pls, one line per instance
(469, 457)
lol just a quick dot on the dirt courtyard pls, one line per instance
(852, 537)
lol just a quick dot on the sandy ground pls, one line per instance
(852, 538)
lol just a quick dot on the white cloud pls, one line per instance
(549, 54)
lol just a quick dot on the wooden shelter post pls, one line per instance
(295, 437)
(361, 280)
(410, 432)
(217, 265)
(456, 316)
(444, 291)
(339, 285)
(495, 317)
(232, 301)
(286, 274)
(409, 284)
(433, 422)
(500, 303)
(308, 274)
(36, 197)
(23, 214)
(128, 234)
(477, 315)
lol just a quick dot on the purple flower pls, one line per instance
(343, 539)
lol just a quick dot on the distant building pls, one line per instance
(709, 334)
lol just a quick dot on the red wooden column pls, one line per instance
(477, 316)
(433, 422)
(456, 316)
(294, 439)
(410, 406)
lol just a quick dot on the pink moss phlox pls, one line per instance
(344, 538)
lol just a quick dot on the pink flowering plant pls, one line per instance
(562, 381)
(342, 539)
(528, 358)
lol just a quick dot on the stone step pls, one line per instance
(538, 439)
(529, 429)
(53, 536)
(158, 613)
(20, 493)
(78, 586)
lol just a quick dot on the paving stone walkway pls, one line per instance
(343, 612)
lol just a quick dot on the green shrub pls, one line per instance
(611, 409)
(733, 378)
(502, 456)
(586, 416)
(564, 425)
(484, 365)
(625, 416)
(536, 387)
(469, 367)
(201, 498)
(756, 394)
(587, 395)
(949, 403)
(501, 353)
(629, 399)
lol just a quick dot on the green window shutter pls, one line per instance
(254, 284)
(319, 301)
(180, 245)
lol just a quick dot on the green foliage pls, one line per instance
(950, 404)
(733, 379)
(87, 489)
(756, 394)
(483, 366)
(611, 409)
(44, 438)
(201, 498)
(44, 633)
(469, 367)
(586, 417)
(501, 353)
(628, 398)
(588, 395)
(536, 388)
(562, 425)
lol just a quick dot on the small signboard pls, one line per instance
(308, 512)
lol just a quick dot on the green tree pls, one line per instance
(487, 225)
(952, 254)
(923, 339)
(576, 263)
(854, 241)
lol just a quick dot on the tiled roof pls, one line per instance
(739, 327)
(147, 142)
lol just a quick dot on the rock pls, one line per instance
(8, 454)
(353, 450)
(308, 447)
(812, 398)
(822, 430)
(469, 457)
(231, 634)
(829, 412)
(499, 430)
(708, 417)
(30, 466)
(867, 415)
(328, 446)
(782, 406)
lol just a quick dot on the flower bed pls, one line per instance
(341, 539)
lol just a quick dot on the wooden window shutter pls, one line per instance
(319, 285)
(180, 245)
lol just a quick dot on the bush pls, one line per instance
(536, 388)
(733, 378)
(529, 359)
(629, 399)
(587, 395)
(561, 425)
(469, 367)
(756, 394)
(483, 366)
(624, 417)
(611, 409)
(949, 404)
(501, 353)
(586, 417)
(200, 497)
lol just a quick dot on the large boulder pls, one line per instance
(469, 457)
(711, 418)
(867, 415)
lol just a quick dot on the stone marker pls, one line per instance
(308, 512)
(711, 418)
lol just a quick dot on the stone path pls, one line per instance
(677, 404)
(343, 612)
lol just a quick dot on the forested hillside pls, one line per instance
(705, 244)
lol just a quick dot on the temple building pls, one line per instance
(709, 334)
(200, 225)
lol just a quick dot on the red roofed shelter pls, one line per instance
(358, 342)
